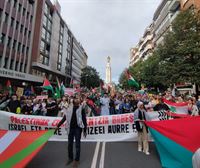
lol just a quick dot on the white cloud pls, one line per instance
(108, 28)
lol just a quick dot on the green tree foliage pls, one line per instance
(177, 59)
(90, 77)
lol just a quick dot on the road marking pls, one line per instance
(94, 160)
(101, 164)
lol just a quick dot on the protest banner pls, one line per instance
(102, 128)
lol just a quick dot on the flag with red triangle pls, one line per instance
(176, 140)
(47, 85)
(131, 81)
(17, 148)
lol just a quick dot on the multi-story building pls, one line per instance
(56, 52)
(163, 18)
(35, 42)
(79, 62)
(144, 48)
(17, 20)
(186, 4)
(134, 56)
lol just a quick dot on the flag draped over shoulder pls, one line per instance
(181, 108)
(17, 148)
(131, 80)
(176, 140)
(47, 85)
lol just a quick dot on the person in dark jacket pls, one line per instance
(161, 106)
(52, 107)
(14, 104)
(75, 118)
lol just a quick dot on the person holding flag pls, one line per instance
(75, 118)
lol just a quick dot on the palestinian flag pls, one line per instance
(176, 140)
(62, 89)
(17, 148)
(131, 81)
(47, 85)
(181, 108)
(9, 87)
(58, 88)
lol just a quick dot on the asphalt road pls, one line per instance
(97, 155)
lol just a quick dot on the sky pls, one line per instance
(108, 28)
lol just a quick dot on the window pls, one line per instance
(12, 22)
(46, 9)
(19, 8)
(21, 65)
(25, 32)
(16, 65)
(27, 51)
(29, 34)
(15, 3)
(27, 15)
(58, 67)
(43, 33)
(11, 64)
(6, 18)
(19, 47)
(24, 11)
(21, 29)
(42, 46)
(49, 26)
(14, 44)
(31, 18)
(0, 14)
(44, 20)
(17, 25)
(23, 49)
(8, 42)
(6, 62)
(2, 38)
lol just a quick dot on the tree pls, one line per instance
(90, 77)
(177, 58)
(180, 53)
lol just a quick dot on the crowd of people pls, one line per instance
(96, 104)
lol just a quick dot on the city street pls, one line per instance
(97, 155)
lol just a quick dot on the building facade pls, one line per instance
(56, 52)
(144, 48)
(163, 18)
(79, 62)
(17, 20)
(35, 42)
(187, 4)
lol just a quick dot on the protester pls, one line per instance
(192, 107)
(75, 118)
(63, 106)
(161, 106)
(105, 104)
(14, 105)
(139, 118)
(27, 109)
(52, 108)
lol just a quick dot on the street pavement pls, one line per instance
(97, 155)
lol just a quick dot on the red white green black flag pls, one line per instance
(17, 148)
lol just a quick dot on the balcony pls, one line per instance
(175, 4)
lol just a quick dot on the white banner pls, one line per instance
(102, 128)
